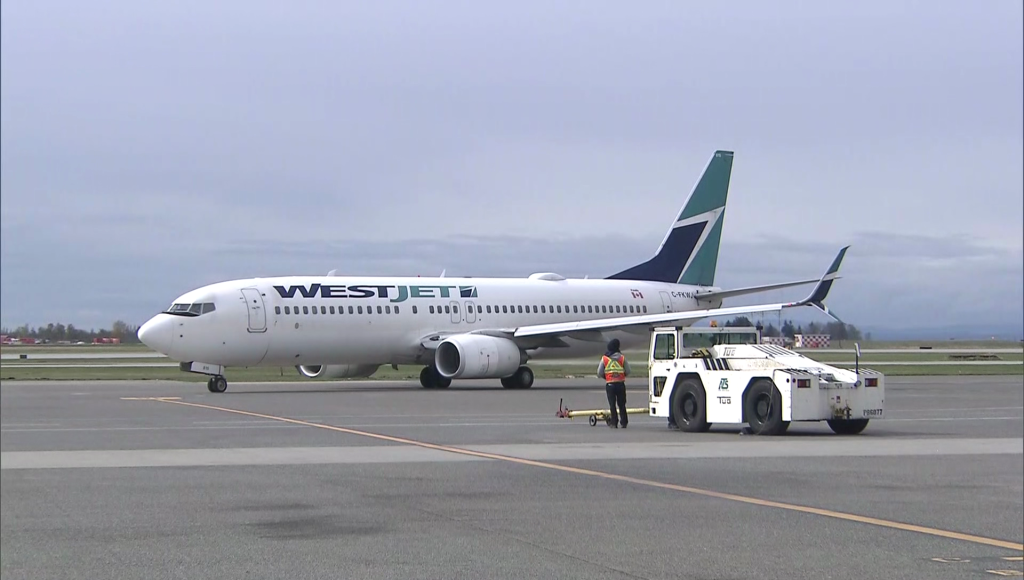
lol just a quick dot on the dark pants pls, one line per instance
(617, 396)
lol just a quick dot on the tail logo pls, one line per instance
(467, 292)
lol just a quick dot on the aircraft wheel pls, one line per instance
(847, 427)
(427, 378)
(431, 379)
(763, 407)
(689, 407)
(523, 378)
(217, 384)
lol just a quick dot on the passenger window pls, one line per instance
(431, 308)
(665, 346)
(387, 309)
(455, 309)
(350, 310)
(617, 311)
(542, 309)
(447, 309)
(590, 309)
(559, 308)
(332, 310)
(504, 309)
(323, 310)
(380, 310)
(287, 310)
(488, 309)
(575, 309)
(305, 309)
(645, 308)
(396, 309)
(277, 310)
(479, 309)
(520, 307)
(359, 309)
(414, 310)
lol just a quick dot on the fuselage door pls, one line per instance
(456, 317)
(257, 314)
(470, 312)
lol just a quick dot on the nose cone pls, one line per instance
(157, 333)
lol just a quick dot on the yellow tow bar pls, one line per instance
(595, 414)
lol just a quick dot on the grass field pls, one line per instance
(828, 357)
(61, 369)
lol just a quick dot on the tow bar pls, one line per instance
(595, 414)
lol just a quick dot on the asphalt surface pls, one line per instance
(387, 480)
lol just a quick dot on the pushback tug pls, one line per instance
(703, 376)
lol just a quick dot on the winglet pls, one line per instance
(817, 296)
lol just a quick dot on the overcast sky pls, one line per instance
(149, 148)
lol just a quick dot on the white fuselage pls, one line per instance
(329, 320)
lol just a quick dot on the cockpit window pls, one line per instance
(194, 309)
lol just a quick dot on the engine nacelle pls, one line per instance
(336, 371)
(477, 356)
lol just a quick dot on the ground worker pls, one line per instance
(614, 369)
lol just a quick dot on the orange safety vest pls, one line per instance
(613, 369)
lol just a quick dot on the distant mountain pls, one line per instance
(950, 332)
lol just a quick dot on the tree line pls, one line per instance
(837, 330)
(59, 332)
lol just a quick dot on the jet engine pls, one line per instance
(336, 371)
(477, 356)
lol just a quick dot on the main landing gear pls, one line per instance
(521, 379)
(217, 384)
(431, 379)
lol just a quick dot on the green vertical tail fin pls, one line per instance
(689, 252)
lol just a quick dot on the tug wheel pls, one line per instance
(847, 427)
(689, 407)
(763, 408)
(593, 420)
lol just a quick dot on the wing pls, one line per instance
(815, 299)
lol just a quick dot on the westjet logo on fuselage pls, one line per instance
(392, 293)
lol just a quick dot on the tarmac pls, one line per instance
(373, 479)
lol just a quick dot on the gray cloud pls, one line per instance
(149, 149)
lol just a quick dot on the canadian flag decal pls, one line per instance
(636, 293)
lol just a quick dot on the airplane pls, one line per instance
(462, 327)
